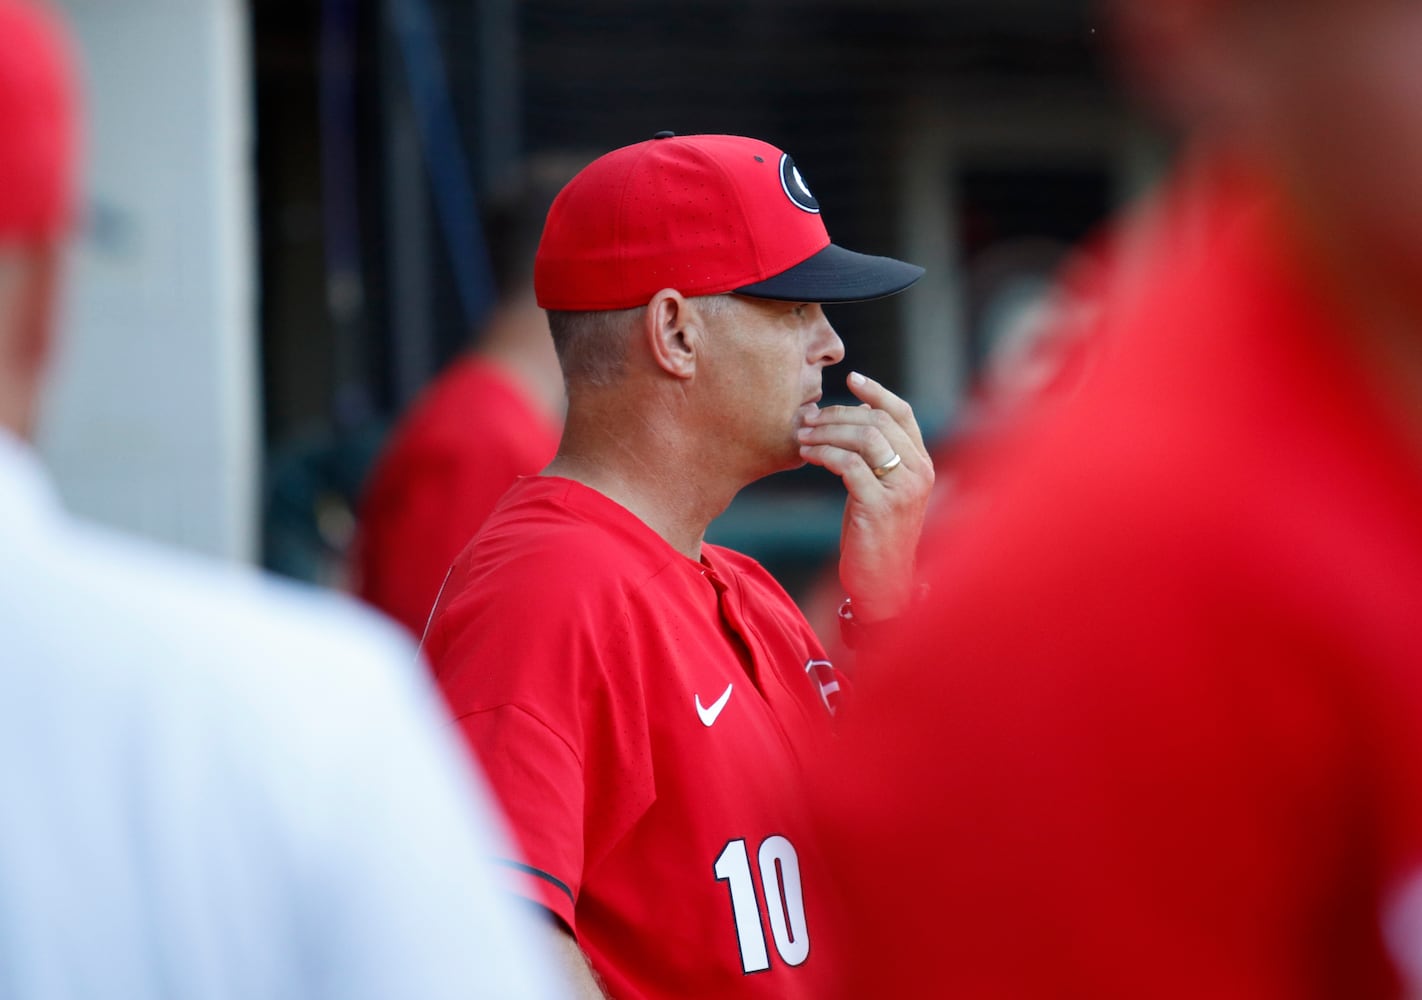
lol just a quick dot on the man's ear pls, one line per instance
(674, 330)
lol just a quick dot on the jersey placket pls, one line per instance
(762, 671)
(735, 630)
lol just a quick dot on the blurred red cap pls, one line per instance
(38, 122)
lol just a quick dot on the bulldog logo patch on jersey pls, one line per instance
(822, 672)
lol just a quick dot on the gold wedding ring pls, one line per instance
(880, 471)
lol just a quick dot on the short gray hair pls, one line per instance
(592, 346)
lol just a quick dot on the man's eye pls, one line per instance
(801, 310)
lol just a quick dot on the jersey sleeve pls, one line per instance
(534, 669)
(541, 776)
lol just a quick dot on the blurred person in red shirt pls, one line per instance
(1158, 730)
(493, 415)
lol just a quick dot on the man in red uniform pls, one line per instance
(645, 702)
(492, 416)
(1158, 731)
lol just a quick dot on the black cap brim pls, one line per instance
(837, 275)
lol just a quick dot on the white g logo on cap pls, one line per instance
(795, 187)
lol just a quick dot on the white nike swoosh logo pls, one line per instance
(708, 715)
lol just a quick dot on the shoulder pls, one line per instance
(564, 539)
(552, 560)
(475, 409)
(194, 622)
(268, 693)
(1084, 514)
(1158, 516)
(437, 431)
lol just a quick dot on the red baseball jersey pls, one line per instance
(645, 719)
(469, 435)
(1159, 733)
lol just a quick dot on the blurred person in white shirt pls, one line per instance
(214, 784)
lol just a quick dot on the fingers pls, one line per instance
(851, 467)
(868, 441)
(883, 516)
(884, 401)
(874, 432)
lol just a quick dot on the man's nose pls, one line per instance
(829, 349)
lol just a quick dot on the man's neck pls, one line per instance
(642, 463)
(1379, 293)
(1387, 340)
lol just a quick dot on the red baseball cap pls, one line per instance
(703, 214)
(38, 122)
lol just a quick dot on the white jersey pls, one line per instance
(216, 785)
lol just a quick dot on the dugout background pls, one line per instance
(976, 137)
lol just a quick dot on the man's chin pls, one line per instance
(792, 460)
(786, 462)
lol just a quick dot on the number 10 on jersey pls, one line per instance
(780, 885)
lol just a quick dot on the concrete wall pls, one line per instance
(153, 419)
